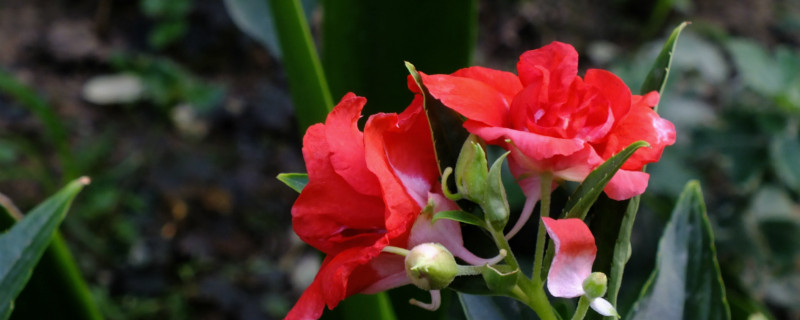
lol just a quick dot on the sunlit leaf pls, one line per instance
(686, 282)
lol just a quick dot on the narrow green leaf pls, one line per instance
(296, 181)
(657, 77)
(307, 83)
(460, 216)
(53, 128)
(364, 42)
(25, 242)
(686, 282)
(587, 192)
(254, 17)
(446, 127)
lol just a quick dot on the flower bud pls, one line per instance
(430, 266)
(595, 285)
(471, 170)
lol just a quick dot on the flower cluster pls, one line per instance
(373, 194)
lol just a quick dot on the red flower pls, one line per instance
(366, 191)
(556, 121)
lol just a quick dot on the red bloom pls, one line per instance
(556, 121)
(366, 191)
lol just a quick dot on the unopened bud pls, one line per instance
(430, 266)
(471, 170)
(595, 285)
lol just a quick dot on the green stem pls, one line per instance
(583, 306)
(398, 251)
(537, 299)
(546, 186)
(469, 270)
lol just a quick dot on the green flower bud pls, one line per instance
(595, 285)
(471, 170)
(495, 202)
(430, 266)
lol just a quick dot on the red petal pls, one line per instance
(626, 184)
(399, 151)
(504, 82)
(612, 88)
(346, 144)
(560, 60)
(641, 123)
(469, 97)
(336, 280)
(575, 253)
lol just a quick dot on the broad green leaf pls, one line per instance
(362, 306)
(494, 307)
(365, 41)
(460, 216)
(756, 66)
(657, 77)
(448, 134)
(296, 181)
(785, 156)
(587, 192)
(686, 282)
(254, 17)
(25, 242)
(307, 83)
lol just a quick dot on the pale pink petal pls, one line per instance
(575, 253)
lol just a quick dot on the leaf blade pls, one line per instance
(35, 231)
(687, 282)
(657, 77)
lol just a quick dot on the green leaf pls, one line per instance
(587, 192)
(307, 83)
(785, 156)
(657, 77)
(364, 42)
(296, 181)
(494, 307)
(25, 242)
(254, 18)
(362, 306)
(446, 127)
(460, 216)
(756, 66)
(686, 282)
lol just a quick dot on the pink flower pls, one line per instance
(553, 120)
(572, 263)
(366, 191)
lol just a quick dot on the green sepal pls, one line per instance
(296, 181)
(587, 192)
(446, 126)
(471, 170)
(501, 278)
(460, 216)
(495, 202)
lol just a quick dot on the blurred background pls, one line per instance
(180, 112)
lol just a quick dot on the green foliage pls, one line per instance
(586, 194)
(254, 17)
(171, 20)
(686, 283)
(493, 307)
(364, 43)
(460, 216)
(26, 241)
